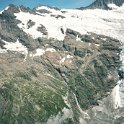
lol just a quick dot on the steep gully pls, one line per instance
(120, 84)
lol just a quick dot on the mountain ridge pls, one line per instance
(98, 4)
(103, 4)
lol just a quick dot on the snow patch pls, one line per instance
(78, 38)
(65, 58)
(15, 47)
(39, 52)
(116, 96)
(93, 38)
(69, 57)
(62, 60)
(89, 44)
(113, 6)
(50, 50)
(97, 45)
(104, 39)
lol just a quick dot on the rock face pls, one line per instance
(103, 4)
(49, 81)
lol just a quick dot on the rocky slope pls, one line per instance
(104, 4)
(56, 72)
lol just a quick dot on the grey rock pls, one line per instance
(103, 4)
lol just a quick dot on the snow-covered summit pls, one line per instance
(47, 9)
(4, 10)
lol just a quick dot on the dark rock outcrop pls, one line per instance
(103, 4)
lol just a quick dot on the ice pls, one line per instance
(108, 23)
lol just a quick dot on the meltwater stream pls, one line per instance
(120, 84)
(111, 108)
(118, 90)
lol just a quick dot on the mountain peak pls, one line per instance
(46, 7)
(104, 4)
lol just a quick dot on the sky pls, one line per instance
(56, 3)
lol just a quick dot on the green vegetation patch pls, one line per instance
(28, 102)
